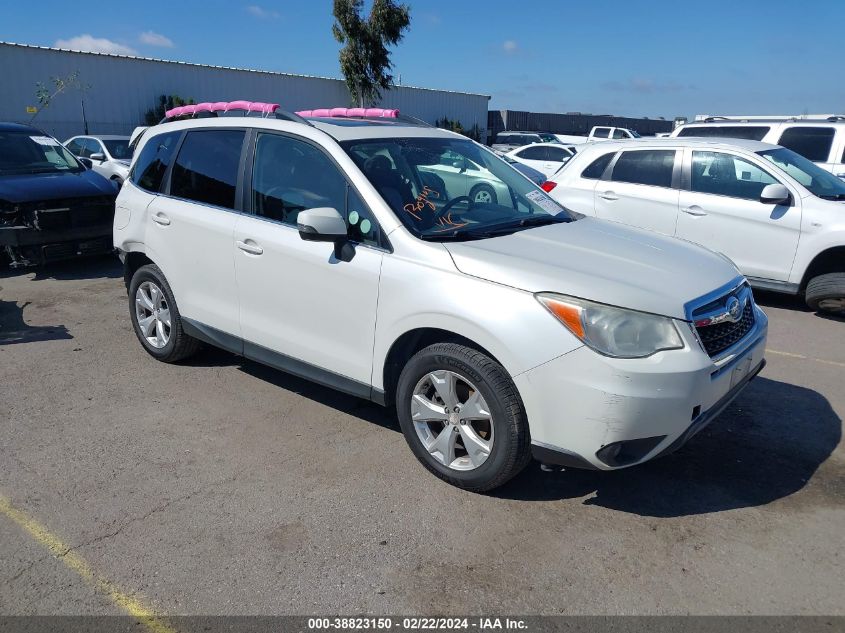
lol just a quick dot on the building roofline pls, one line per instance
(195, 64)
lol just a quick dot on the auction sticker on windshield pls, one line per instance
(544, 202)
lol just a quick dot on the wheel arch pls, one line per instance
(830, 260)
(411, 342)
(131, 263)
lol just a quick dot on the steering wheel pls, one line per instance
(442, 213)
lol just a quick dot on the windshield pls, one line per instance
(635, 134)
(442, 188)
(24, 153)
(118, 148)
(818, 181)
(549, 138)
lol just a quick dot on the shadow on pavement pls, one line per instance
(13, 329)
(95, 267)
(767, 445)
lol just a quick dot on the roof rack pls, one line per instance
(361, 113)
(213, 109)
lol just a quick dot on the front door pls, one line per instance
(302, 308)
(722, 211)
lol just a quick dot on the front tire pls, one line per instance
(826, 293)
(462, 417)
(483, 194)
(155, 316)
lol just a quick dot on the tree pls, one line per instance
(364, 58)
(165, 103)
(45, 95)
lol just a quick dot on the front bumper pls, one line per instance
(29, 247)
(590, 411)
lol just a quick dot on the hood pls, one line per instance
(600, 261)
(20, 188)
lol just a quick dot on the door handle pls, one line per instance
(250, 247)
(608, 195)
(694, 210)
(160, 218)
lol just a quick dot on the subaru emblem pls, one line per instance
(734, 309)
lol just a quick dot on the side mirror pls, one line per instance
(775, 194)
(85, 161)
(322, 224)
(98, 156)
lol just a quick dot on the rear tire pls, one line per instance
(826, 293)
(491, 445)
(483, 194)
(155, 317)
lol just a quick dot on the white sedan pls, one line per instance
(545, 157)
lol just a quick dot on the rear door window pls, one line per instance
(812, 143)
(619, 134)
(206, 169)
(645, 167)
(750, 132)
(557, 154)
(153, 161)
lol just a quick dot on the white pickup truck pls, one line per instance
(599, 133)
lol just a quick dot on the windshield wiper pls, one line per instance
(481, 232)
(835, 196)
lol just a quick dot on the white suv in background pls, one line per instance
(544, 157)
(819, 140)
(778, 216)
(497, 329)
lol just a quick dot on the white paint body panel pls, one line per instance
(343, 317)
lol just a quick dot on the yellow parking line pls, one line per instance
(802, 357)
(133, 606)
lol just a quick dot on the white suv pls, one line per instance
(498, 329)
(780, 217)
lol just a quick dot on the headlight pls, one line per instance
(613, 331)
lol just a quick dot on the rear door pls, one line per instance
(722, 211)
(191, 226)
(642, 190)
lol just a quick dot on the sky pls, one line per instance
(654, 59)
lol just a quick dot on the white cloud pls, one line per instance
(93, 44)
(261, 12)
(510, 46)
(155, 39)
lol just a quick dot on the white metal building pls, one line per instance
(120, 89)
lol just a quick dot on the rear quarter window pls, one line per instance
(595, 169)
(153, 161)
(813, 143)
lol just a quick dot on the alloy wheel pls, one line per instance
(452, 420)
(152, 314)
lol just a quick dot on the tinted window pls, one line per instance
(504, 139)
(597, 167)
(289, 176)
(533, 153)
(93, 146)
(558, 154)
(619, 134)
(728, 175)
(647, 167)
(751, 132)
(206, 169)
(153, 161)
(75, 147)
(811, 142)
(118, 148)
(601, 132)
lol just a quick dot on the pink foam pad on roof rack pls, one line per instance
(371, 113)
(222, 106)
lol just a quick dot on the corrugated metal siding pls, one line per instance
(499, 120)
(122, 89)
